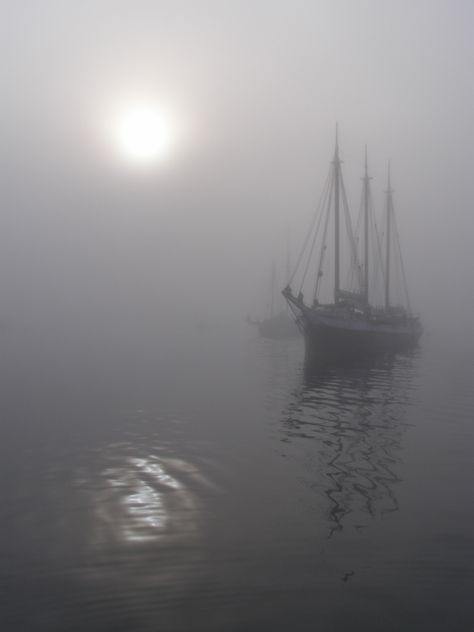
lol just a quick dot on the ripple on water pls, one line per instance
(346, 424)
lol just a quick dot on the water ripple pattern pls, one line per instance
(347, 425)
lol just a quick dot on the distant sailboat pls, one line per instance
(279, 324)
(356, 319)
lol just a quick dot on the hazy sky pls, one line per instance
(255, 89)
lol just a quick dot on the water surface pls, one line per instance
(209, 482)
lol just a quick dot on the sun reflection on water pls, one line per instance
(146, 499)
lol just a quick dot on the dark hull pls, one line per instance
(334, 333)
(325, 343)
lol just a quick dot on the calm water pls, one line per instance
(209, 482)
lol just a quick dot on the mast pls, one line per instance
(337, 174)
(387, 252)
(366, 231)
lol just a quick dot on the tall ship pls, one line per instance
(358, 297)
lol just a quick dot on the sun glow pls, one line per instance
(143, 134)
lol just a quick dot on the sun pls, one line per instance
(143, 134)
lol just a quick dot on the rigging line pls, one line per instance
(372, 255)
(376, 266)
(398, 285)
(311, 228)
(288, 265)
(328, 195)
(379, 245)
(355, 259)
(375, 261)
(376, 247)
(373, 241)
(405, 284)
(323, 246)
(382, 237)
(369, 274)
(350, 275)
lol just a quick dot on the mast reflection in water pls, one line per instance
(349, 421)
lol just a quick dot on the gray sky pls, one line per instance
(256, 87)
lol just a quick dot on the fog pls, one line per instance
(92, 245)
(168, 465)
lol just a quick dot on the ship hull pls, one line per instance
(323, 342)
(339, 334)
